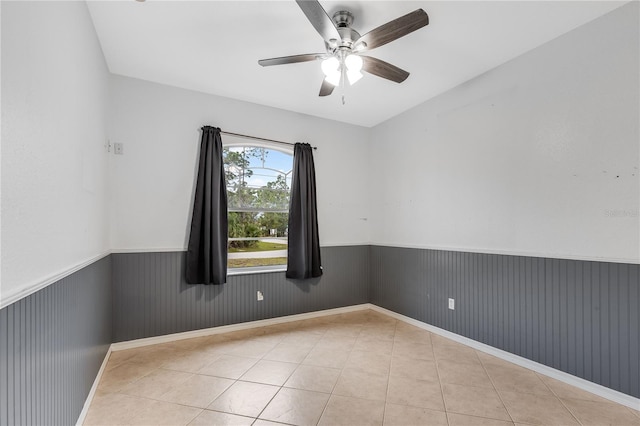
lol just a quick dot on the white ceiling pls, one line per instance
(214, 46)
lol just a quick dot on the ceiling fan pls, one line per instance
(343, 59)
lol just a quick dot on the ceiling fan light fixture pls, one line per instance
(353, 76)
(354, 63)
(331, 70)
(330, 66)
(334, 78)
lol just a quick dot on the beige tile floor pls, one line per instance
(361, 368)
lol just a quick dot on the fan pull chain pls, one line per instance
(343, 81)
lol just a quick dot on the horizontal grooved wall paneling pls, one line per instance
(52, 344)
(151, 297)
(579, 317)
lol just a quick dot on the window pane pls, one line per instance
(258, 187)
(257, 179)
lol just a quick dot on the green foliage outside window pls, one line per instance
(254, 211)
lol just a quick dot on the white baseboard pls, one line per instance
(234, 327)
(567, 378)
(94, 387)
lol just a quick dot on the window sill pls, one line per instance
(251, 270)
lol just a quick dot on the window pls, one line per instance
(258, 185)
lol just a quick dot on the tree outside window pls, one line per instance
(258, 187)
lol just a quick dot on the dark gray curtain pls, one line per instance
(207, 251)
(303, 258)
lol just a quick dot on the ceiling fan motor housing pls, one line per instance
(343, 20)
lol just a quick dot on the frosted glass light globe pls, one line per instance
(330, 66)
(353, 63)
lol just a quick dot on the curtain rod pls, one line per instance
(259, 139)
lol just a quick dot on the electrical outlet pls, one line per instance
(118, 148)
(259, 296)
(452, 304)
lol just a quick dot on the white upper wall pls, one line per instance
(539, 156)
(153, 182)
(54, 165)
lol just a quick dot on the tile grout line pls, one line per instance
(275, 394)
(494, 387)
(340, 375)
(386, 394)
(435, 361)
(334, 385)
(613, 396)
(341, 371)
(276, 338)
(299, 364)
(234, 380)
(288, 377)
(579, 399)
(560, 399)
(191, 374)
(229, 353)
(324, 409)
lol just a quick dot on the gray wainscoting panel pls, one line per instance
(52, 344)
(151, 297)
(579, 317)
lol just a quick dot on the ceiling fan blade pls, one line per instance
(383, 69)
(319, 19)
(290, 59)
(326, 89)
(393, 30)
